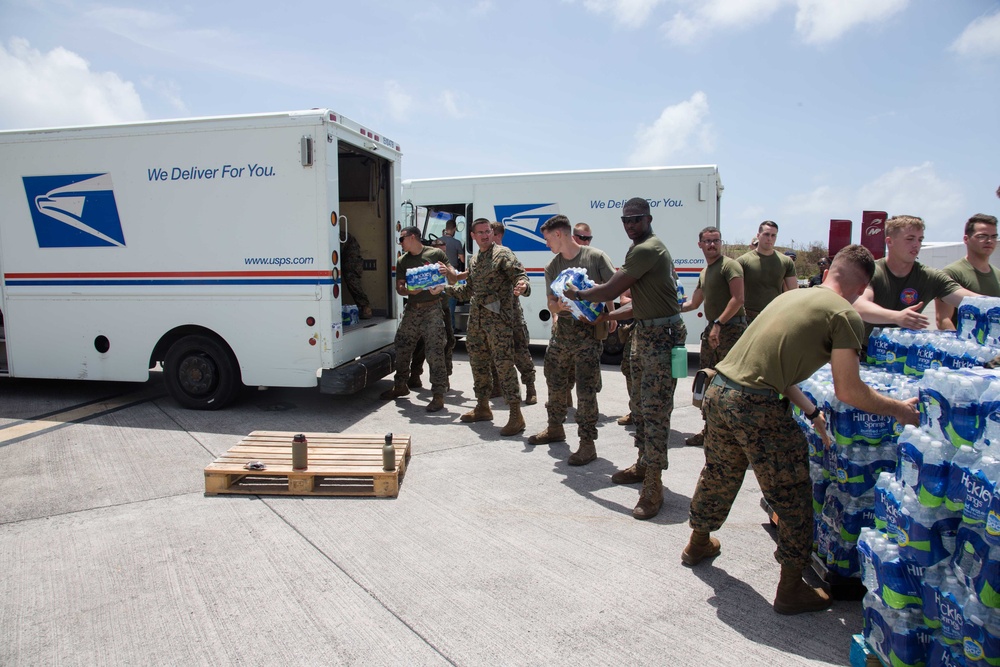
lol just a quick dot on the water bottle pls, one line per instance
(910, 640)
(910, 455)
(902, 340)
(878, 345)
(959, 477)
(858, 513)
(881, 500)
(986, 582)
(993, 322)
(934, 473)
(989, 415)
(893, 502)
(930, 592)
(979, 489)
(901, 580)
(951, 603)
(933, 404)
(968, 318)
(878, 620)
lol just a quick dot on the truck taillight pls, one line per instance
(310, 321)
(312, 341)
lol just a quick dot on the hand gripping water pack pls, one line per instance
(581, 310)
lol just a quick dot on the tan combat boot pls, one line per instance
(700, 547)
(414, 382)
(584, 455)
(796, 596)
(436, 403)
(633, 474)
(626, 420)
(481, 413)
(396, 391)
(651, 496)
(515, 423)
(530, 395)
(696, 440)
(551, 433)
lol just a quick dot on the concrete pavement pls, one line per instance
(494, 553)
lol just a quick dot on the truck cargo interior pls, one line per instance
(364, 183)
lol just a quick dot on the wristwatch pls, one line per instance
(720, 323)
(812, 415)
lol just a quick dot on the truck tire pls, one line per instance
(201, 374)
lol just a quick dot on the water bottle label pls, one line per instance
(978, 498)
(992, 531)
(987, 584)
(909, 646)
(963, 426)
(910, 460)
(933, 483)
(951, 617)
(901, 584)
(933, 409)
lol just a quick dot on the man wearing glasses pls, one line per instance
(495, 279)
(973, 272)
(720, 287)
(902, 286)
(649, 272)
(422, 319)
(582, 234)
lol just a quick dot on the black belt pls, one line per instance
(721, 380)
(659, 321)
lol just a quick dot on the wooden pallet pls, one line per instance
(339, 465)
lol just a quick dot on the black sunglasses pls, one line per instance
(582, 237)
(631, 219)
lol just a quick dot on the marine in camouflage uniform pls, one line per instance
(649, 272)
(749, 421)
(422, 319)
(720, 288)
(522, 355)
(353, 264)
(574, 350)
(494, 274)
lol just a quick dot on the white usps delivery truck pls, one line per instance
(683, 201)
(211, 246)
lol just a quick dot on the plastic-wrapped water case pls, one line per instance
(350, 314)
(577, 277)
(423, 277)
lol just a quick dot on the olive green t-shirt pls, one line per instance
(793, 338)
(714, 284)
(408, 261)
(654, 294)
(921, 284)
(764, 277)
(969, 277)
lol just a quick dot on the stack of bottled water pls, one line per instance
(914, 352)
(979, 320)
(423, 277)
(577, 277)
(931, 559)
(349, 315)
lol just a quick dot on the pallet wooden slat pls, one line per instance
(339, 465)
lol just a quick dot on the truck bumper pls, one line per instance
(354, 376)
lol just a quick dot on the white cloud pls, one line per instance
(980, 38)
(681, 130)
(170, 92)
(628, 13)
(449, 100)
(822, 21)
(59, 88)
(816, 21)
(822, 202)
(917, 191)
(400, 102)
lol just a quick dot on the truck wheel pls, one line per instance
(201, 374)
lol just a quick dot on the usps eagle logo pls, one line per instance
(74, 211)
(909, 296)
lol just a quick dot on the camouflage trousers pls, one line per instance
(625, 335)
(422, 321)
(490, 342)
(653, 385)
(574, 352)
(728, 335)
(522, 355)
(417, 363)
(757, 429)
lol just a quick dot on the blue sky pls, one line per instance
(813, 109)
